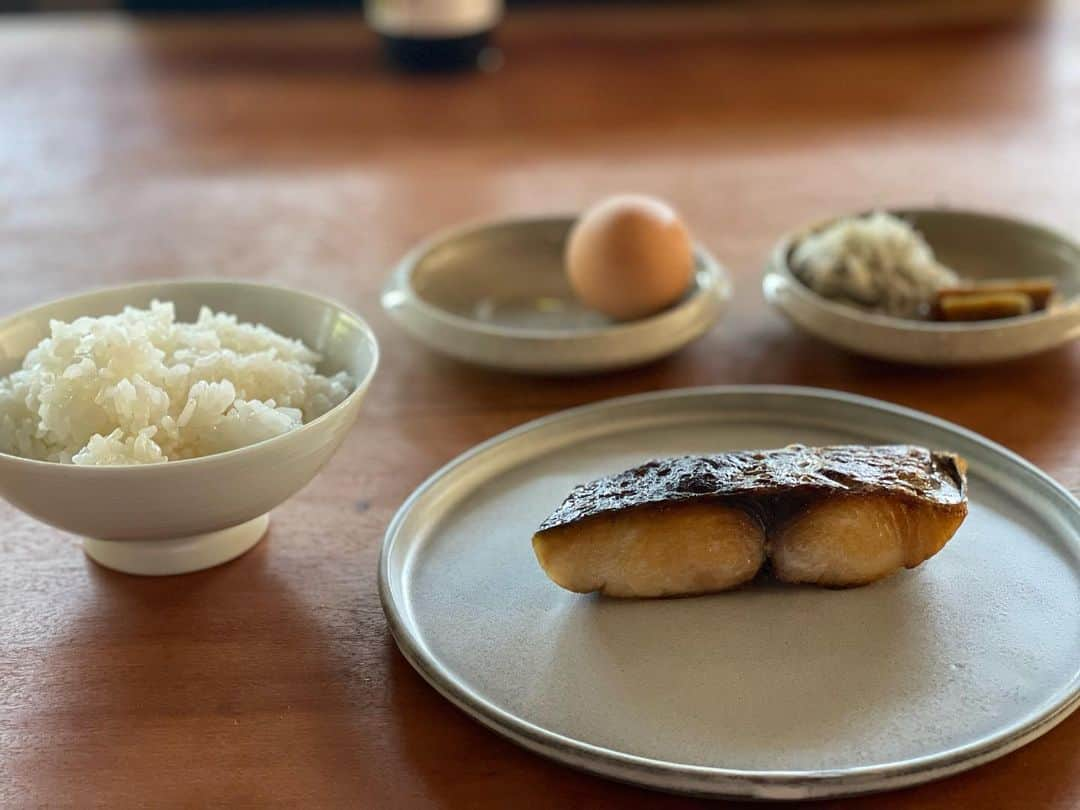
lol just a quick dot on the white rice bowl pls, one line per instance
(140, 388)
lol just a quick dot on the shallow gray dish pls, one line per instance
(768, 692)
(978, 246)
(496, 295)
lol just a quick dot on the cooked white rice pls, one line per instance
(140, 388)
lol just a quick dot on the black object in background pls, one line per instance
(418, 54)
(435, 35)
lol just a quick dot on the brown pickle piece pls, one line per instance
(983, 307)
(1040, 290)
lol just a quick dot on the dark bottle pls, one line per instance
(436, 35)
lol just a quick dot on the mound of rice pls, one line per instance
(140, 388)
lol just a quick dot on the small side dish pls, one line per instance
(499, 295)
(139, 387)
(835, 516)
(881, 263)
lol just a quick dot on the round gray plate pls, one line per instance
(771, 691)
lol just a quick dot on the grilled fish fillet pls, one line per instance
(833, 516)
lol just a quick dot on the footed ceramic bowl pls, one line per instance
(186, 515)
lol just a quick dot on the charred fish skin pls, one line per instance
(906, 471)
(835, 516)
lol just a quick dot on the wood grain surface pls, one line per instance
(279, 149)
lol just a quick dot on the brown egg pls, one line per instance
(629, 256)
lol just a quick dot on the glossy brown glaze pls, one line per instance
(772, 482)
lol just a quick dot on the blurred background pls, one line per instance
(831, 12)
(288, 140)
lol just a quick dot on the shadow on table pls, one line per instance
(994, 400)
(1026, 404)
(227, 687)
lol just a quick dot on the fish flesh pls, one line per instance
(834, 516)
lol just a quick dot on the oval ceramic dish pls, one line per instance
(770, 691)
(979, 246)
(496, 295)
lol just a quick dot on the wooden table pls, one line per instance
(279, 150)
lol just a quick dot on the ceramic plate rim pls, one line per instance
(699, 779)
